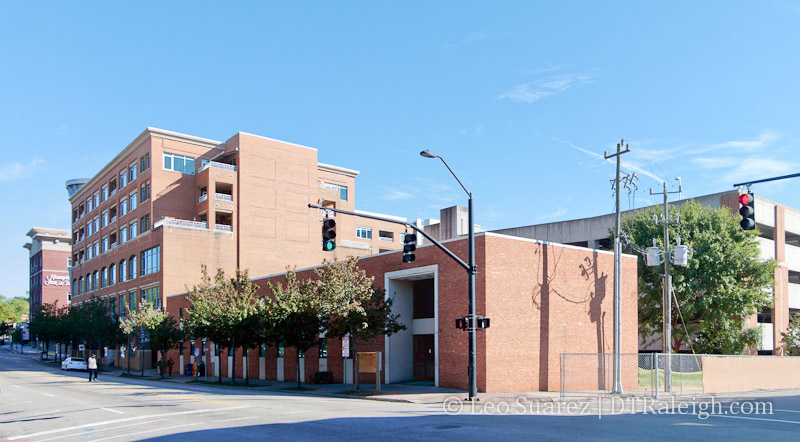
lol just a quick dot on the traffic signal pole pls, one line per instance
(394, 221)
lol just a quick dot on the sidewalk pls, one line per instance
(411, 392)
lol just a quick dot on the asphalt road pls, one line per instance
(40, 403)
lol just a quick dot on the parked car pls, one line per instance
(74, 364)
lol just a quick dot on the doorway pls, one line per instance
(424, 358)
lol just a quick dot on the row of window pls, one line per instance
(108, 242)
(126, 176)
(126, 205)
(383, 235)
(126, 270)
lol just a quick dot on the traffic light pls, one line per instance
(328, 234)
(748, 211)
(409, 246)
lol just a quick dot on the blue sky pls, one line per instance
(521, 98)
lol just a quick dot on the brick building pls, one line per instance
(543, 299)
(50, 253)
(779, 238)
(168, 203)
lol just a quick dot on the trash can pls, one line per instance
(189, 369)
(201, 368)
(44, 355)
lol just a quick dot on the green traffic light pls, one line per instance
(328, 245)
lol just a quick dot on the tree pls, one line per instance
(791, 338)
(140, 322)
(723, 285)
(164, 336)
(219, 310)
(297, 315)
(353, 305)
(45, 324)
(12, 309)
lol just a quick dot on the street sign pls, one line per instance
(197, 352)
(346, 347)
(81, 347)
(24, 318)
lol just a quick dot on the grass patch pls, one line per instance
(689, 379)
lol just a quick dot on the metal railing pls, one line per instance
(202, 198)
(217, 165)
(223, 227)
(223, 196)
(181, 223)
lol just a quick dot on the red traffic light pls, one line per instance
(744, 199)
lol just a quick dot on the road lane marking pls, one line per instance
(756, 419)
(113, 411)
(51, 395)
(239, 418)
(83, 433)
(115, 421)
(17, 403)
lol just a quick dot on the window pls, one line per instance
(132, 267)
(104, 277)
(151, 260)
(151, 295)
(123, 235)
(89, 253)
(112, 214)
(281, 350)
(104, 219)
(145, 162)
(123, 271)
(74, 286)
(122, 305)
(123, 207)
(104, 193)
(96, 248)
(145, 191)
(89, 229)
(80, 286)
(132, 172)
(96, 200)
(178, 163)
(95, 280)
(343, 193)
(144, 223)
(88, 282)
(88, 205)
(133, 202)
(104, 248)
(123, 179)
(112, 306)
(112, 186)
(323, 348)
(96, 224)
(364, 232)
(132, 301)
(112, 272)
(134, 230)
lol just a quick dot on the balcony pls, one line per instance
(223, 196)
(223, 227)
(182, 223)
(202, 198)
(217, 165)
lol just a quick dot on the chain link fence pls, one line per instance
(641, 374)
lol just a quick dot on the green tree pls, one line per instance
(164, 336)
(138, 323)
(723, 285)
(13, 309)
(220, 309)
(353, 306)
(45, 324)
(297, 315)
(791, 338)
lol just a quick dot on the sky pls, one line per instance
(521, 99)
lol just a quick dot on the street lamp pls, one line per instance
(472, 318)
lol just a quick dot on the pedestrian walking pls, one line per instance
(170, 363)
(92, 366)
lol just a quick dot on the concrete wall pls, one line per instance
(740, 374)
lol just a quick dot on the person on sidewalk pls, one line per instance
(92, 366)
(170, 363)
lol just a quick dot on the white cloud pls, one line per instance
(471, 38)
(766, 139)
(394, 195)
(546, 87)
(560, 212)
(625, 164)
(18, 171)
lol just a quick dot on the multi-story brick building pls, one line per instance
(779, 238)
(50, 253)
(168, 203)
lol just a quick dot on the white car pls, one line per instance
(74, 364)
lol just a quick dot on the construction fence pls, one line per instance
(656, 374)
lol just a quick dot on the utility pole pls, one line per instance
(667, 292)
(617, 272)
